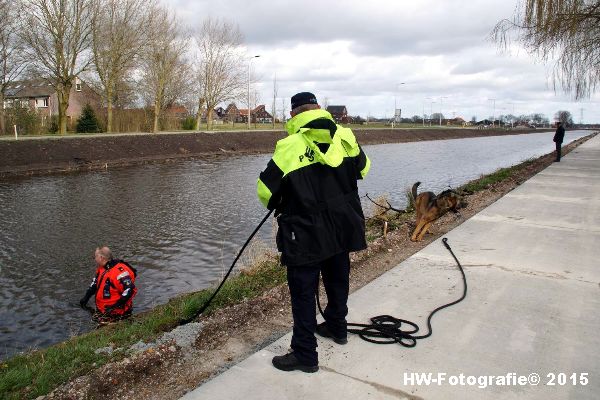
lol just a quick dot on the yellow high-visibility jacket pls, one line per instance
(311, 181)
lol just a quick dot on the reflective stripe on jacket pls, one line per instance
(311, 181)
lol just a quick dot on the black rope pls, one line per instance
(385, 329)
(205, 306)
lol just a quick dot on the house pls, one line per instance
(243, 115)
(176, 111)
(257, 115)
(41, 96)
(456, 121)
(219, 112)
(339, 113)
(261, 115)
(232, 114)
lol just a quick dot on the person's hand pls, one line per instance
(83, 302)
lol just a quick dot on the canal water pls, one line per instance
(179, 224)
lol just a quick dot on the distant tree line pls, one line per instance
(135, 53)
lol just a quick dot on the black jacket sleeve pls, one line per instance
(90, 292)
(128, 287)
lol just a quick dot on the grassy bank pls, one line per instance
(39, 372)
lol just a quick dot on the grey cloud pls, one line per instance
(376, 28)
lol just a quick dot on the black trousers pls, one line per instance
(558, 148)
(303, 281)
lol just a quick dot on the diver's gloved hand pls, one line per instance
(83, 302)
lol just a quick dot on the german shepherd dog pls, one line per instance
(430, 207)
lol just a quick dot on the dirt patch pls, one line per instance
(35, 156)
(232, 334)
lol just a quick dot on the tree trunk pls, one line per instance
(109, 111)
(156, 113)
(199, 115)
(2, 115)
(209, 115)
(63, 105)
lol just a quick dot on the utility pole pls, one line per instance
(248, 98)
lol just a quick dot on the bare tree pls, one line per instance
(119, 34)
(274, 107)
(255, 100)
(219, 71)
(565, 117)
(58, 37)
(12, 63)
(164, 67)
(566, 31)
(283, 110)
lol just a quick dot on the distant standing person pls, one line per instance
(558, 139)
(113, 287)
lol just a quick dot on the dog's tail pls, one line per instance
(414, 190)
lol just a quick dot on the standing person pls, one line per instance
(311, 182)
(113, 287)
(558, 139)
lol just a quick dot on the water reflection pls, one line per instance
(180, 224)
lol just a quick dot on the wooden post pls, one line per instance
(385, 226)
(16, 136)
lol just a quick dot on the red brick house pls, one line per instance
(457, 121)
(176, 111)
(339, 113)
(261, 115)
(40, 96)
(232, 114)
(258, 115)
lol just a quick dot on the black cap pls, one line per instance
(303, 98)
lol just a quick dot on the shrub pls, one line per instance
(87, 122)
(188, 124)
(27, 119)
(53, 125)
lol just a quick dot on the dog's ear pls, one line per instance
(451, 201)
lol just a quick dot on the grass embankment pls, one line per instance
(39, 372)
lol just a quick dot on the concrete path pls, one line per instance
(532, 309)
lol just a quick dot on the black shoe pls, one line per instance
(289, 362)
(323, 330)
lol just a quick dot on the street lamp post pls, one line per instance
(248, 98)
(441, 106)
(431, 111)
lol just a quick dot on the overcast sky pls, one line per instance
(358, 53)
